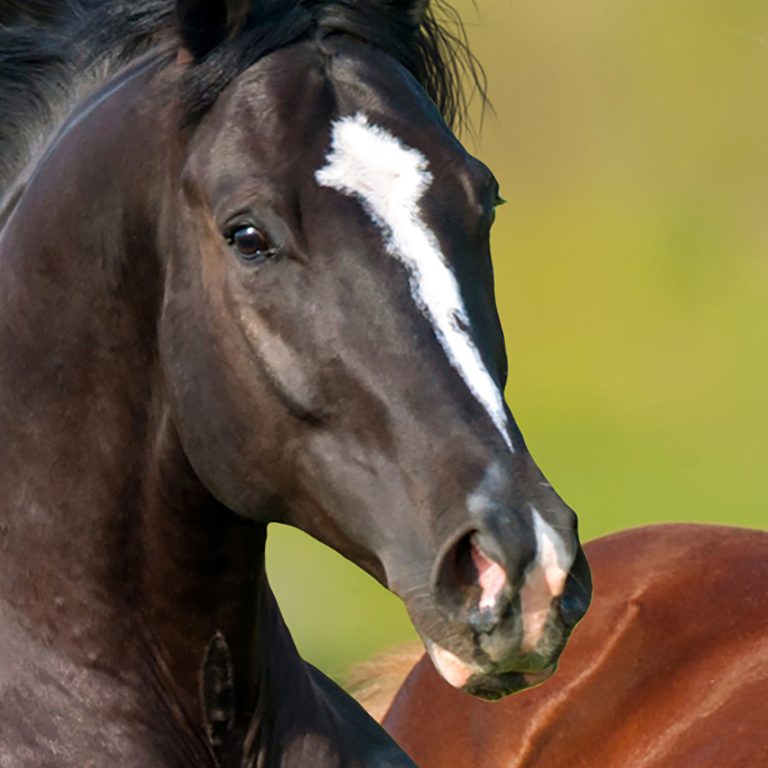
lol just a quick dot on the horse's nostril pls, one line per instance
(469, 584)
(490, 575)
(456, 576)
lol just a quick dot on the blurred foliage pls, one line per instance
(631, 141)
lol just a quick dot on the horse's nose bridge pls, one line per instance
(505, 536)
(501, 509)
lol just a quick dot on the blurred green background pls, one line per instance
(631, 141)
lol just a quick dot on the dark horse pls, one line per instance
(247, 279)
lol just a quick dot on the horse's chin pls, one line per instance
(485, 682)
(493, 687)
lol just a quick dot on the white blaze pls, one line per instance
(390, 179)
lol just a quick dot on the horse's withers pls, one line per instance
(360, 356)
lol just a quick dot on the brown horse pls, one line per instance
(668, 670)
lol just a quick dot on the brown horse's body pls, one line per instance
(669, 669)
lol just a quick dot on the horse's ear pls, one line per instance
(205, 24)
(416, 9)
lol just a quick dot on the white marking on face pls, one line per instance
(544, 582)
(390, 179)
(451, 668)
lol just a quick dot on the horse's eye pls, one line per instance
(251, 243)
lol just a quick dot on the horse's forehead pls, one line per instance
(292, 96)
(366, 80)
(277, 99)
(278, 120)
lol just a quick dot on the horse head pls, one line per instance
(330, 340)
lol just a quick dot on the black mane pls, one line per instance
(51, 50)
(436, 52)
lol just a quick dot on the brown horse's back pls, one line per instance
(669, 669)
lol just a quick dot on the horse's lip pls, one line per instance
(492, 687)
(488, 680)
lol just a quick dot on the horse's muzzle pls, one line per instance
(508, 618)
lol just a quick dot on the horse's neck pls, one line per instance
(114, 556)
(200, 581)
(304, 719)
(79, 399)
(119, 563)
(116, 560)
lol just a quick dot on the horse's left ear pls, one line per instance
(416, 9)
(205, 24)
